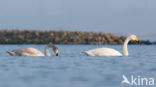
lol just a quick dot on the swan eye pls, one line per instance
(136, 39)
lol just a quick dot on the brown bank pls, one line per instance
(61, 37)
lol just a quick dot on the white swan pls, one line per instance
(109, 51)
(33, 51)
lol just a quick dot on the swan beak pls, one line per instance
(136, 39)
(57, 54)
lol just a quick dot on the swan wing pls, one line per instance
(28, 52)
(103, 52)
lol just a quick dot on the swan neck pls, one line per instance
(125, 49)
(47, 51)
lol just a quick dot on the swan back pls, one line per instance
(103, 52)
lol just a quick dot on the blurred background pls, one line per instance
(115, 16)
(72, 68)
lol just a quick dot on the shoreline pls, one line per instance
(63, 37)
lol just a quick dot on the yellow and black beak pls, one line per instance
(136, 39)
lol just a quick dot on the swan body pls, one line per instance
(26, 52)
(110, 51)
(103, 52)
(33, 51)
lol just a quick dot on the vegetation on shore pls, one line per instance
(61, 37)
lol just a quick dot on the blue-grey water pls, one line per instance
(74, 69)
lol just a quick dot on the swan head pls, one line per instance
(55, 49)
(134, 38)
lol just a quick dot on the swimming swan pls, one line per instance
(33, 51)
(109, 51)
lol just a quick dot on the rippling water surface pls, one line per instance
(74, 69)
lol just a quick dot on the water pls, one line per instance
(74, 69)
